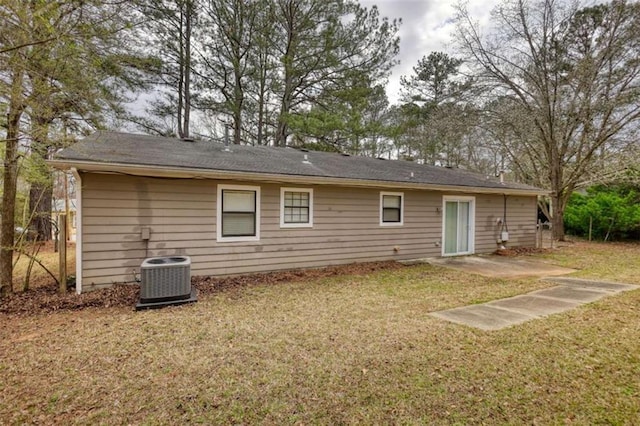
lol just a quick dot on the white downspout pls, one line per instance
(78, 179)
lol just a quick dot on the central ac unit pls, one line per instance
(165, 281)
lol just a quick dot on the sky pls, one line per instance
(427, 26)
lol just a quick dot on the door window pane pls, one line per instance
(451, 225)
(463, 227)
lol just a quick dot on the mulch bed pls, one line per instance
(46, 299)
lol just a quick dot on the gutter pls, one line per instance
(194, 173)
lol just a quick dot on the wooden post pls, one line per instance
(539, 234)
(62, 265)
(590, 226)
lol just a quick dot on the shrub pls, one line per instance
(614, 210)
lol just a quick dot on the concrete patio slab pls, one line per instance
(503, 313)
(571, 294)
(598, 285)
(499, 266)
(534, 306)
(483, 316)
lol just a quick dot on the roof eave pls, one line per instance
(185, 172)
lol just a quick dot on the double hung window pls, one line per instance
(238, 213)
(391, 208)
(296, 207)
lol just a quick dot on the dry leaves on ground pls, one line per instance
(46, 299)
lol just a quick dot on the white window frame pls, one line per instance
(283, 224)
(219, 237)
(472, 223)
(397, 194)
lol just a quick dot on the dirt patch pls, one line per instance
(47, 299)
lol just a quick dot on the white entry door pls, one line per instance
(458, 225)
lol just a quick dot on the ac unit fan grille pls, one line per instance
(165, 279)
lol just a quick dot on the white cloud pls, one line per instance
(427, 26)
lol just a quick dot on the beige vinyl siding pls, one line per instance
(181, 214)
(521, 218)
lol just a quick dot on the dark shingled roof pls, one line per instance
(144, 150)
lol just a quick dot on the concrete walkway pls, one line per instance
(570, 293)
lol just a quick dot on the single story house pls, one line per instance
(244, 209)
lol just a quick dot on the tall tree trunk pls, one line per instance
(260, 136)
(41, 191)
(237, 61)
(10, 183)
(181, 76)
(40, 197)
(285, 108)
(262, 91)
(288, 11)
(265, 37)
(238, 95)
(237, 127)
(559, 195)
(558, 203)
(237, 124)
(187, 68)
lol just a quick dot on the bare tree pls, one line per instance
(575, 76)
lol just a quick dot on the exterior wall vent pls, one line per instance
(165, 281)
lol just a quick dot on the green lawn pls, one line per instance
(340, 350)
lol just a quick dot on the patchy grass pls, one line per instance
(607, 261)
(334, 350)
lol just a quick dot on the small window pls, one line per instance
(296, 207)
(391, 208)
(238, 213)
